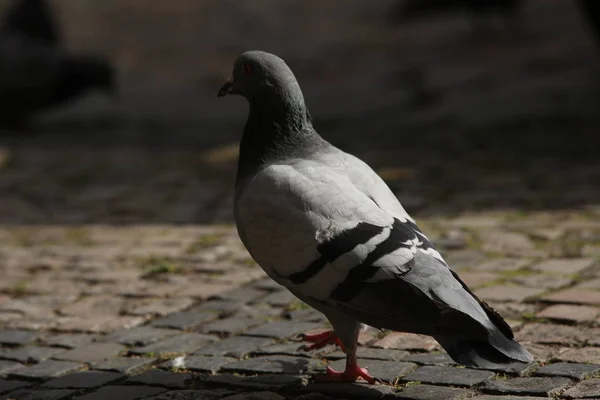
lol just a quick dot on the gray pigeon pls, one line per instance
(323, 224)
(33, 19)
(36, 77)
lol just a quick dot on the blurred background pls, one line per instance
(458, 106)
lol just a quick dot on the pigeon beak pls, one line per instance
(226, 88)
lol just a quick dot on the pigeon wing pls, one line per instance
(314, 231)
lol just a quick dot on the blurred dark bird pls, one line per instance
(591, 12)
(414, 9)
(33, 19)
(36, 77)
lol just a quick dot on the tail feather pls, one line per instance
(480, 354)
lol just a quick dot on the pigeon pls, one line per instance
(324, 225)
(33, 19)
(36, 77)
(591, 12)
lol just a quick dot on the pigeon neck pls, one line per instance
(277, 129)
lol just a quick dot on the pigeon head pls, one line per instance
(260, 76)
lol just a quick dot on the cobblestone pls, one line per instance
(568, 370)
(260, 382)
(527, 386)
(9, 386)
(448, 376)
(7, 366)
(46, 370)
(387, 371)
(157, 377)
(128, 366)
(122, 393)
(83, 380)
(429, 392)
(31, 354)
(182, 343)
(50, 394)
(202, 364)
(272, 365)
(237, 347)
(140, 336)
(17, 337)
(282, 329)
(348, 390)
(92, 353)
(184, 320)
(589, 389)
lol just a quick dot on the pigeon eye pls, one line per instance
(246, 69)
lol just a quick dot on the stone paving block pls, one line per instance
(566, 266)
(579, 355)
(231, 325)
(267, 284)
(387, 371)
(515, 368)
(281, 298)
(574, 295)
(588, 389)
(185, 319)
(508, 293)
(40, 394)
(407, 341)
(570, 313)
(122, 393)
(128, 366)
(160, 306)
(286, 349)
(476, 279)
(236, 346)
(307, 314)
(429, 392)
(201, 364)
(93, 352)
(7, 366)
(494, 397)
(547, 282)
(448, 376)
(508, 243)
(18, 337)
(182, 343)
(262, 382)
(246, 294)
(70, 340)
(282, 329)
(222, 307)
(465, 258)
(502, 264)
(31, 354)
(9, 386)
(568, 370)
(46, 370)
(272, 365)
(349, 390)
(140, 336)
(429, 359)
(158, 377)
(255, 395)
(526, 386)
(197, 394)
(556, 334)
(96, 323)
(84, 380)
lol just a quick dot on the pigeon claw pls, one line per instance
(320, 340)
(351, 374)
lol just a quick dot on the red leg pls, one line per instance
(320, 340)
(352, 372)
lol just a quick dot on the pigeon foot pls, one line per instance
(351, 374)
(320, 340)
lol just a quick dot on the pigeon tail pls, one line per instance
(479, 354)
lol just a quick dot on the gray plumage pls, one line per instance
(323, 224)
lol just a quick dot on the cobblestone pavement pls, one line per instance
(181, 312)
